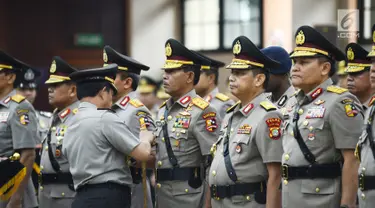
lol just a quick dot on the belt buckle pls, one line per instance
(284, 170)
(40, 181)
(361, 181)
(214, 192)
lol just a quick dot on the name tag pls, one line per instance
(316, 112)
(4, 116)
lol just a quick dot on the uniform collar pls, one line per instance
(211, 95)
(285, 97)
(123, 101)
(183, 101)
(68, 111)
(6, 100)
(313, 94)
(246, 109)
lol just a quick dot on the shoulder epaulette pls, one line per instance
(45, 114)
(268, 106)
(221, 97)
(202, 104)
(230, 109)
(336, 89)
(136, 103)
(18, 98)
(163, 104)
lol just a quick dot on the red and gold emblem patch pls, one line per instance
(274, 128)
(211, 124)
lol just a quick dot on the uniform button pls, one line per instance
(41, 188)
(363, 170)
(62, 194)
(285, 182)
(41, 167)
(248, 198)
(306, 122)
(291, 133)
(231, 130)
(46, 147)
(169, 118)
(214, 173)
(363, 196)
(311, 128)
(161, 117)
(186, 190)
(317, 190)
(162, 139)
(286, 157)
(160, 163)
(173, 129)
(217, 198)
(183, 131)
(178, 134)
(300, 111)
(53, 129)
(158, 185)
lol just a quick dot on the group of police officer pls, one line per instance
(292, 139)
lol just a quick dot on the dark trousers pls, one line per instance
(109, 195)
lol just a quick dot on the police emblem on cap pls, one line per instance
(350, 54)
(168, 50)
(105, 57)
(237, 48)
(29, 75)
(300, 38)
(53, 67)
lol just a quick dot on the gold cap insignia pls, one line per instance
(300, 38)
(350, 54)
(105, 57)
(373, 36)
(168, 50)
(53, 67)
(237, 48)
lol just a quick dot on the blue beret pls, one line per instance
(280, 55)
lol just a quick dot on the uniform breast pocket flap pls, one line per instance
(178, 141)
(242, 139)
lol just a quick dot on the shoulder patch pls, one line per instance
(163, 104)
(230, 109)
(136, 103)
(18, 98)
(336, 89)
(221, 97)
(202, 104)
(45, 114)
(268, 106)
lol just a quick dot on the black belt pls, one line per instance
(236, 189)
(366, 182)
(177, 174)
(108, 185)
(312, 171)
(55, 178)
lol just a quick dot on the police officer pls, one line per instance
(26, 84)
(56, 184)
(279, 83)
(365, 150)
(18, 133)
(246, 166)
(27, 87)
(98, 141)
(187, 127)
(147, 90)
(130, 110)
(358, 70)
(207, 86)
(319, 140)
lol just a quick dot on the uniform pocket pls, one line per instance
(318, 186)
(182, 188)
(313, 132)
(179, 142)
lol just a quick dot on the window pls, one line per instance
(366, 20)
(209, 25)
